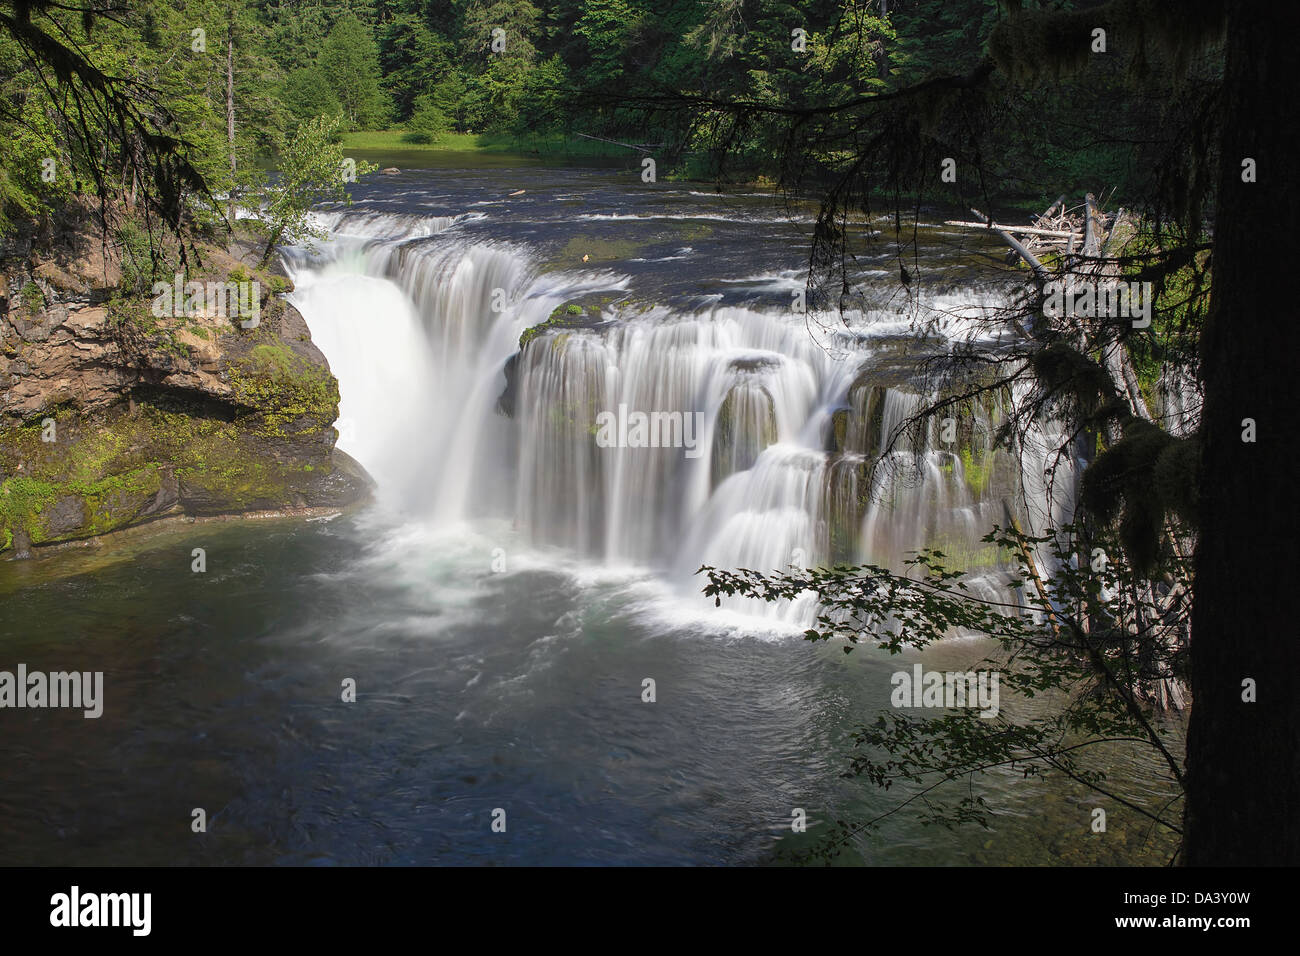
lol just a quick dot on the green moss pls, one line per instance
(969, 555)
(977, 470)
(288, 394)
(22, 500)
(1182, 298)
(695, 231)
(599, 250)
(568, 316)
(114, 501)
(225, 462)
(101, 468)
(31, 298)
(116, 466)
(108, 502)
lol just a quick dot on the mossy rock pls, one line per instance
(846, 492)
(194, 413)
(570, 315)
(598, 250)
(287, 395)
(168, 455)
(732, 451)
(838, 437)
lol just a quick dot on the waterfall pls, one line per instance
(757, 446)
(361, 322)
(418, 331)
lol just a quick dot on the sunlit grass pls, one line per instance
(536, 145)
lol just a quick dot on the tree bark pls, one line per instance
(230, 115)
(1243, 759)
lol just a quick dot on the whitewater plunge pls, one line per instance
(808, 454)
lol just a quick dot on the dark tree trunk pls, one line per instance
(1243, 791)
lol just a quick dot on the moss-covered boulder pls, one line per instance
(67, 476)
(571, 315)
(581, 314)
(114, 412)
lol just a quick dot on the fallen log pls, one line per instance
(643, 147)
(1040, 271)
(1060, 202)
(1032, 566)
(1017, 230)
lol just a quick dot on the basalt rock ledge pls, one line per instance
(112, 415)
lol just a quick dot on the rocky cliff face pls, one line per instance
(111, 415)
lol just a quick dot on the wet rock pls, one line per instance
(506, 400)
(22, 546)
(755, 364)
(746, 426)
(68, 514)
(167, 497)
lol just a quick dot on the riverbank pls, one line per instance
(395, 147)
(553, 147)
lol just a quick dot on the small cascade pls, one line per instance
(380, 226)
(768, 517)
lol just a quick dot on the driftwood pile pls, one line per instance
(1072, 235)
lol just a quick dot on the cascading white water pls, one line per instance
(634, 504)
(361, 322)
(418, 332)
(421, 333)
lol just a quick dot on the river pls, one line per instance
(503, 602)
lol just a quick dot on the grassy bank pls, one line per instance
(552, 146)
